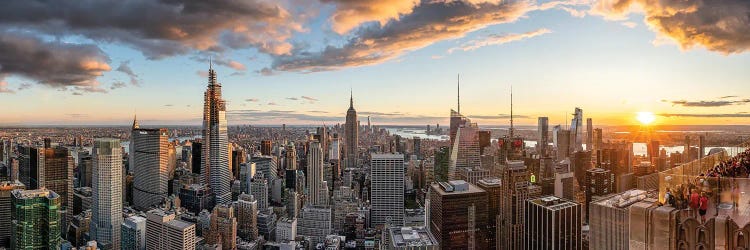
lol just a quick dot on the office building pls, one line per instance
(465, 150)
(387, 189)
(31, 166)
(166, 232)
(576, 130)
(552, 223)
(35, 219)
(267, 165)
(408, 238)
(215, 155)
(290, 161)
(223, 228)
(542, 135)
(133, 233)
(286, 229)
(267, 225)
(6, 202)
(315, 223)
(458, 215)
(58, 177)
(196, 150)
(599, 182)
(589, 134)
(442, 163)
(196, 197)
(106, 206)
(493, 187)
(259, 190)
(78, 229)
(149, 166)
(318, 195)
(351, 136)
(516, 190)
(247, 217)
(85, 164)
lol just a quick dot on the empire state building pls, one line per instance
(351, 139)
(215, 157)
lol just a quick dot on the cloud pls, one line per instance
(728, 96)
(117, 85)
(737, 115)
(718, 103)
(272, 104)
(202, 73)
(77, 93)
(718, 25)
(125, 68)
(311, 99)
(77, 115)
(51, 63)
(498, 116)
(168, 105)
(427, 23)
(4, 88)
(350, 14)
(218, 59)
(628, 24)
(497, 39)
(24, 86)
(251, 100)
(161, 28)
(292, 98)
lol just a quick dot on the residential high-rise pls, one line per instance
(35, 219)
(259, 190)
(165, 232)
(291, 157)
(247, 217)
(552, 223)
(458, 215)
(516, 189)
(465, 151)
(317, 195)
(6, 201)
(598, 182)
(215, 158)
(223, 229)
(149, 166)
(106, 207)
(133, 233)
(543, 136)
(387, 189)
(351, 136)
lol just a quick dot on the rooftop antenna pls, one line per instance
(511, 111)
(351, 97)
(458, 86)
(210, 63)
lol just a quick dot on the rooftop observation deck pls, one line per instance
(723, 176)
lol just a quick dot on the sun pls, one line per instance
(645, 118)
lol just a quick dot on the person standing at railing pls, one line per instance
(736, 195)
(703, 208)
(694, 202)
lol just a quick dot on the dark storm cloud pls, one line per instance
(160, 28)
(717, 25)
(425, 24)
(52, 63)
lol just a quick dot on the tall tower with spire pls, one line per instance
(215, 157)
(456, 119)
(351, 135)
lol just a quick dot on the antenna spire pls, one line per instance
(351, 98)
(511, 111)
(210, 63)
(458, 87)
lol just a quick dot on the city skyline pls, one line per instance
(555, 54)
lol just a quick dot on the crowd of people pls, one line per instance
(736, 167)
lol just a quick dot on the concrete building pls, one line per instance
(315, 223)
(387, 193)
(410, 238)
(259, 190)
(223, 228)
(133, 233)
(351, 136)
(165, 232)
(458, 215)
(315, 184)
(552, 223)
(609, 219)
(516, 190)
(247, 217)
(286, 229)
(494, 189)
(106, 205)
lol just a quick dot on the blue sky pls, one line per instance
(593, 62)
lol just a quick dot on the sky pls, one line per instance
(296, 61)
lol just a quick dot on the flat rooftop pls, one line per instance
(472, 189)
(411, 236)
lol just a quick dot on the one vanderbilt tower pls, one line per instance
(214, 160)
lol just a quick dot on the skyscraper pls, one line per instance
(149, 149)
(351, 135)
(552, 223)
(291, 157)
(215, 158)
(516, 190)
(247, 217)
(6, 201)
(31, 166)
(543, 135)
(259, 189)
(458, 215)
(223, 229)
(465, 150)
(58, 177)
(134, 233)
(106, 207)
(576, 130)
(35, 219)
(589, 133)
(315, 184)
(387, 189)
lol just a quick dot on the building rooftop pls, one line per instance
(623, 200)
(469, 188)
(411, 237)
(10, 185)
(387, 156)
(36, 193)
(492, 181)
(553, 203)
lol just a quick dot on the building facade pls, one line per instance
(36, 222)
(552, 223)
(150, 166)
(215, 155)
(387, 189)
(106, 206)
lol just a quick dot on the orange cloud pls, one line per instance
(351, 13)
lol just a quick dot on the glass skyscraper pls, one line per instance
(35, 219)
(106, 207)
(215, 157)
